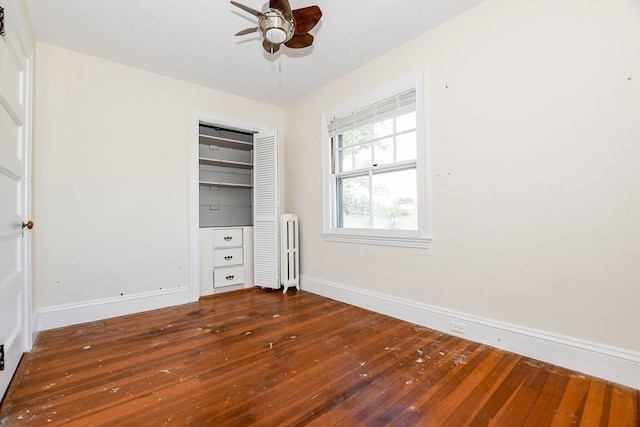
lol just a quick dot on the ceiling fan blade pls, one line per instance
(248, 9)
(300, 41)
(247, 31)
(283, 6)
(306, 18)
(270, 47)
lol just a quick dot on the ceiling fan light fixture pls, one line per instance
(282, 26)
(275, 28)
(275, 35)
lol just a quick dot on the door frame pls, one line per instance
(215, 119)
(27, 206)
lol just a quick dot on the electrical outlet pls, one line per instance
(458, 327)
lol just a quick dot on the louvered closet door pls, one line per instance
(266, 210)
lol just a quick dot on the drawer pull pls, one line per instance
(230, 277)
(228, 238)
(228, 257)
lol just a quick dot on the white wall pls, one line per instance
(112, 176)
(534, 128)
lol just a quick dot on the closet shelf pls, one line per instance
(218, 206)
(225, 143)
(225, 163)
(225, 184)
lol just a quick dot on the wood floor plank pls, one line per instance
(498, 400)
(546, 405)
(261, 358)
(522, 401)
(448, 406)
(388, 375)
(400, 364)
(594, 404)
(309, 380)
(343, 381)
(571, 405)
(623, 408)
(421, 386)
(488, 389)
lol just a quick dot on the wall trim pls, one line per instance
(35, 327)
(610, 363)
(88, 311)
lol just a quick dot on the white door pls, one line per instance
(15, 299)
(266, 259)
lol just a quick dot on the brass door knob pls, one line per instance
(28, 225)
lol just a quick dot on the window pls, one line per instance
(375, 168)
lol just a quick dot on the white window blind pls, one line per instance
(394, 106)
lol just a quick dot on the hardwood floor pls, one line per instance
(256, 357)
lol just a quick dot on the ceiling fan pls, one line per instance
(281, 25)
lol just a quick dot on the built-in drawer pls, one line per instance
(227, 257)
(228, 276)
(227, 237)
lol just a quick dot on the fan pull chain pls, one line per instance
(280, 83)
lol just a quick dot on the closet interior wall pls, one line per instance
(226, 182)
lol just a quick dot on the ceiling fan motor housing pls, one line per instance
(275, 28)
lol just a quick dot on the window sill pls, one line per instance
(407, 241)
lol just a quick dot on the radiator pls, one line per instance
(290, 256)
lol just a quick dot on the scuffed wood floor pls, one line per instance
(256, 357)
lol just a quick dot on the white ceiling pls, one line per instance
(193, 40)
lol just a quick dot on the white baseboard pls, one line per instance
(88, 311)
(35, 328)
(614, 364)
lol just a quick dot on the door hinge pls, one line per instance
(1, 21)
(1, 357)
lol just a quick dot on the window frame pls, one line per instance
(419, 238)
